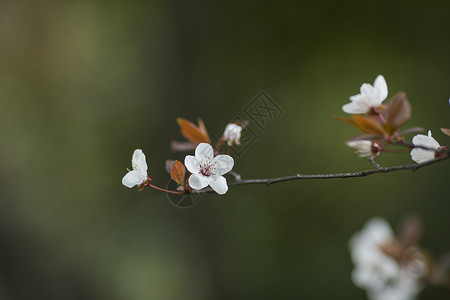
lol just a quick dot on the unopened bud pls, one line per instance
(365, 148)
(232, 134)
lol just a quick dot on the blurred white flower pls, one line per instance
(369, 96)
(207, 169)
(401, 287)
(138, 175)
(377, 272)
(232, 134)
(363, 148)
(421, 155)
(372, 266)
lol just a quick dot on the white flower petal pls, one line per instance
(138, 161)
(136, 155)
(378, 273)
(380, 88)
(223, 164)
(360, 144)
(355, 107)
(232, 133)
(133, 178)
(420, 140)
(192, 164)
(204, 152)
(358, 97)
(426, 141)
(363, 147)
(369, 96)
(364, 245)
(379, 230)
(402, 287)
(198, 181)
(421, 155)
(366, 88)
(218, 184)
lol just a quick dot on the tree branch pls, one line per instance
(379, 169)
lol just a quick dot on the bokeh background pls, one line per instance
(84, 83)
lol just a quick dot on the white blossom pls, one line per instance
(372, 266)
(138, 175)
(369, 96)
(363, 147)
(380, 274)
(421, 155)
(207, 169)
(400, 287)
(232, 134)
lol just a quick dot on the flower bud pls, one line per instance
(365, 148)
(232, 134)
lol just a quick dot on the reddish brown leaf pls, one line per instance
(398, 111)
(365, 124)
(193, 133)
(178, 172)
(349, 121)
(202, 128)
(446, 131)
(346, 120)
(369, 125)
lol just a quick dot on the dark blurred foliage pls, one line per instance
(82, 84)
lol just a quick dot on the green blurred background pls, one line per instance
(82, 84)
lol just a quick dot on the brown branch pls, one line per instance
(270, 181)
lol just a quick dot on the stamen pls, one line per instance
(207, 168)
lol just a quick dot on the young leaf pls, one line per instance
(446, 131)
(367, 125)
(398, 111)
(178, 172)
(411, 130)
(345, 120)
(193, 133)
(202, 128)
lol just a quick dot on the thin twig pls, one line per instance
(270, 181)
(372, 161)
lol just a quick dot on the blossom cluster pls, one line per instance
(206, 168)
(380, 123)
(387, 268)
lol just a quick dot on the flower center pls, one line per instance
(207, 168)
